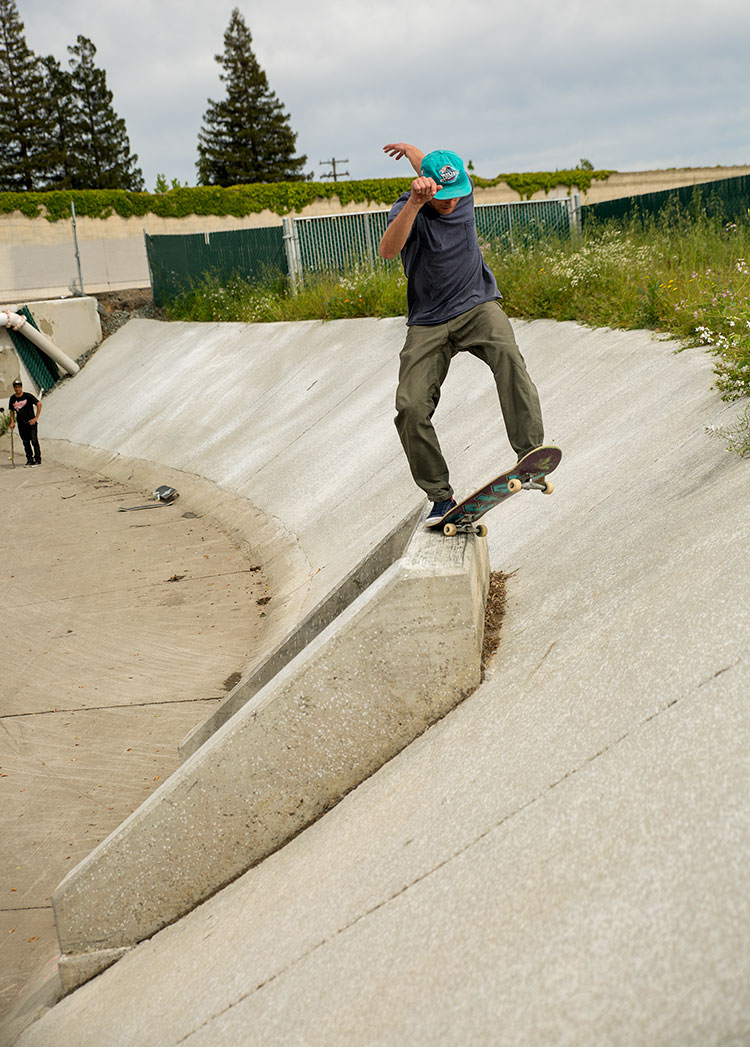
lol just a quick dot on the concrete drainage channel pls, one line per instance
(393, 649)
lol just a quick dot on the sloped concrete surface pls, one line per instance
(562, 859)
(347, 704)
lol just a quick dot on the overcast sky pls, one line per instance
(628, 84)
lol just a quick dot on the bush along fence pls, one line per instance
(327, 243)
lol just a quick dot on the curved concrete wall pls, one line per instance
(562, 859)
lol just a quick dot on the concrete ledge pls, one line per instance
(363, 575)
(400, 657)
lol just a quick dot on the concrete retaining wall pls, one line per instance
(396, 660)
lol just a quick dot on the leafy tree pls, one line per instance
(24, 117)
(246, 137)
(99, 150)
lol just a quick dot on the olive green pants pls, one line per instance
(486, 333)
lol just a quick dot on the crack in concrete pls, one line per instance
(27, 908)
(106, 708)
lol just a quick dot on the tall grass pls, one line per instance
(364, 291)
(689, 278)
(686, 275)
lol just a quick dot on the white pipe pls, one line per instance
(41, 341)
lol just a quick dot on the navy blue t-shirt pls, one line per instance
(446, 274)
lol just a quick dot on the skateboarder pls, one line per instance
(26, 408)
(453, 306)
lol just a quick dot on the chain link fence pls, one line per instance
(173, 264)
(340, 242)
(726, 199)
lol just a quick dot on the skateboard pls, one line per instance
(528, 474)
(162, 496)
(12, 451)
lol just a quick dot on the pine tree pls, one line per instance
(246, 137)
(24, 118)
(99, 149)
(61, 106)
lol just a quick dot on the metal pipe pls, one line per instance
(41, 341)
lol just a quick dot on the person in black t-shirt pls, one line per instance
(26, 408)
(453, 306)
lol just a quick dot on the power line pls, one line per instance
(333, 173)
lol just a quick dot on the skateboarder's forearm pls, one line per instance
(412, 154)
(397, 233)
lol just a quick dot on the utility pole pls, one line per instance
(334, 174)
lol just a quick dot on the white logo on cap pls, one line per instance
(448, 174)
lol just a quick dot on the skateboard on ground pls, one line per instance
(528, 474)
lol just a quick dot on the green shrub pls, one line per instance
(279, 197)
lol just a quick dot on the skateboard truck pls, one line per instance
(530, 484)
(450, 530)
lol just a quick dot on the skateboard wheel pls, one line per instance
(449, 530)
(514, 485)
(482, 530)
(548, 487)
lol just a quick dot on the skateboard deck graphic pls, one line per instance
(529, 474)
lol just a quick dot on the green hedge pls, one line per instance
(240, 200)
(528, 183)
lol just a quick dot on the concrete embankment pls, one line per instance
(561, 858)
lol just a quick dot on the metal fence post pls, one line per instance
(574, 214)
(293, 258)
(78, 253)
(368, 239)
(289, 252)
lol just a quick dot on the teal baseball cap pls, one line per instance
(447, 169)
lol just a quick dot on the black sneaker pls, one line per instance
(438, 511)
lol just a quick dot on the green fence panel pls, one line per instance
(179, 262)
(528, 222)
(325, 243)
(726, 199)
(43, 370)
(338, 242)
